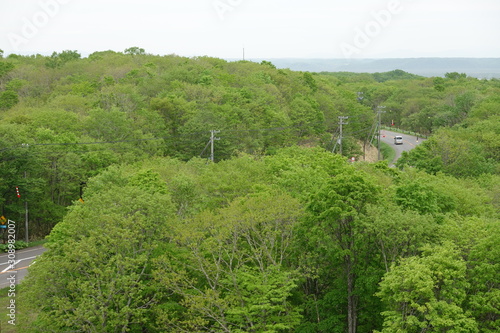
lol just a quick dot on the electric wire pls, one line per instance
(184, 136)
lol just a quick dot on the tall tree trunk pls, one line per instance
(349, 263)
(352, 301)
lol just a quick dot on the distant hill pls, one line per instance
(475, 67)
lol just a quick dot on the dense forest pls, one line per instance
(199, 195)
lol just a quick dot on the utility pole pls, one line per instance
(26, 215)
(212, 140)
(360, 96)
(379, 114)
(341, 122)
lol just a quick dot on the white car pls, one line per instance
(398, 140)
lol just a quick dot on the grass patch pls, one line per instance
(21, 313)
(24, 317)
(19, 245)
(5, 327)
(36, 243)
(388, 153)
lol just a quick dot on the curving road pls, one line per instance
(22, 258)
(409, 142)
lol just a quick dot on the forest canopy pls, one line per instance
(201, 195)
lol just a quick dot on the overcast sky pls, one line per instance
(264, 28)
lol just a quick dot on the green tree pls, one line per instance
(135, 51)
(228, 271)
(96, 274)
(310, 82)
(397, 233)
(489, 107)
(306, 116)
(426, 294)
(8, 99)
(439, 84)
(57, 60)
(333, 234)
(476, 239)
(418, 197)
(174, 110)
(110, 125)
(302, 171)
(453, 152)
(261, 302)
(455, 75)
(484, 264)
(5, 67)
(268, 63)
(464, 104)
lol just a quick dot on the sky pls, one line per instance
(262, 28)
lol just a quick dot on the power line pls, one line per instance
(208, 144)
(356, 132)
(176, 136)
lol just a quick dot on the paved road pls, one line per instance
(409, 142)
(23, 258)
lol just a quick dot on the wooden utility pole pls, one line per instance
(341, 122)
(212, 140)
(26, 216)
(379, 114)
